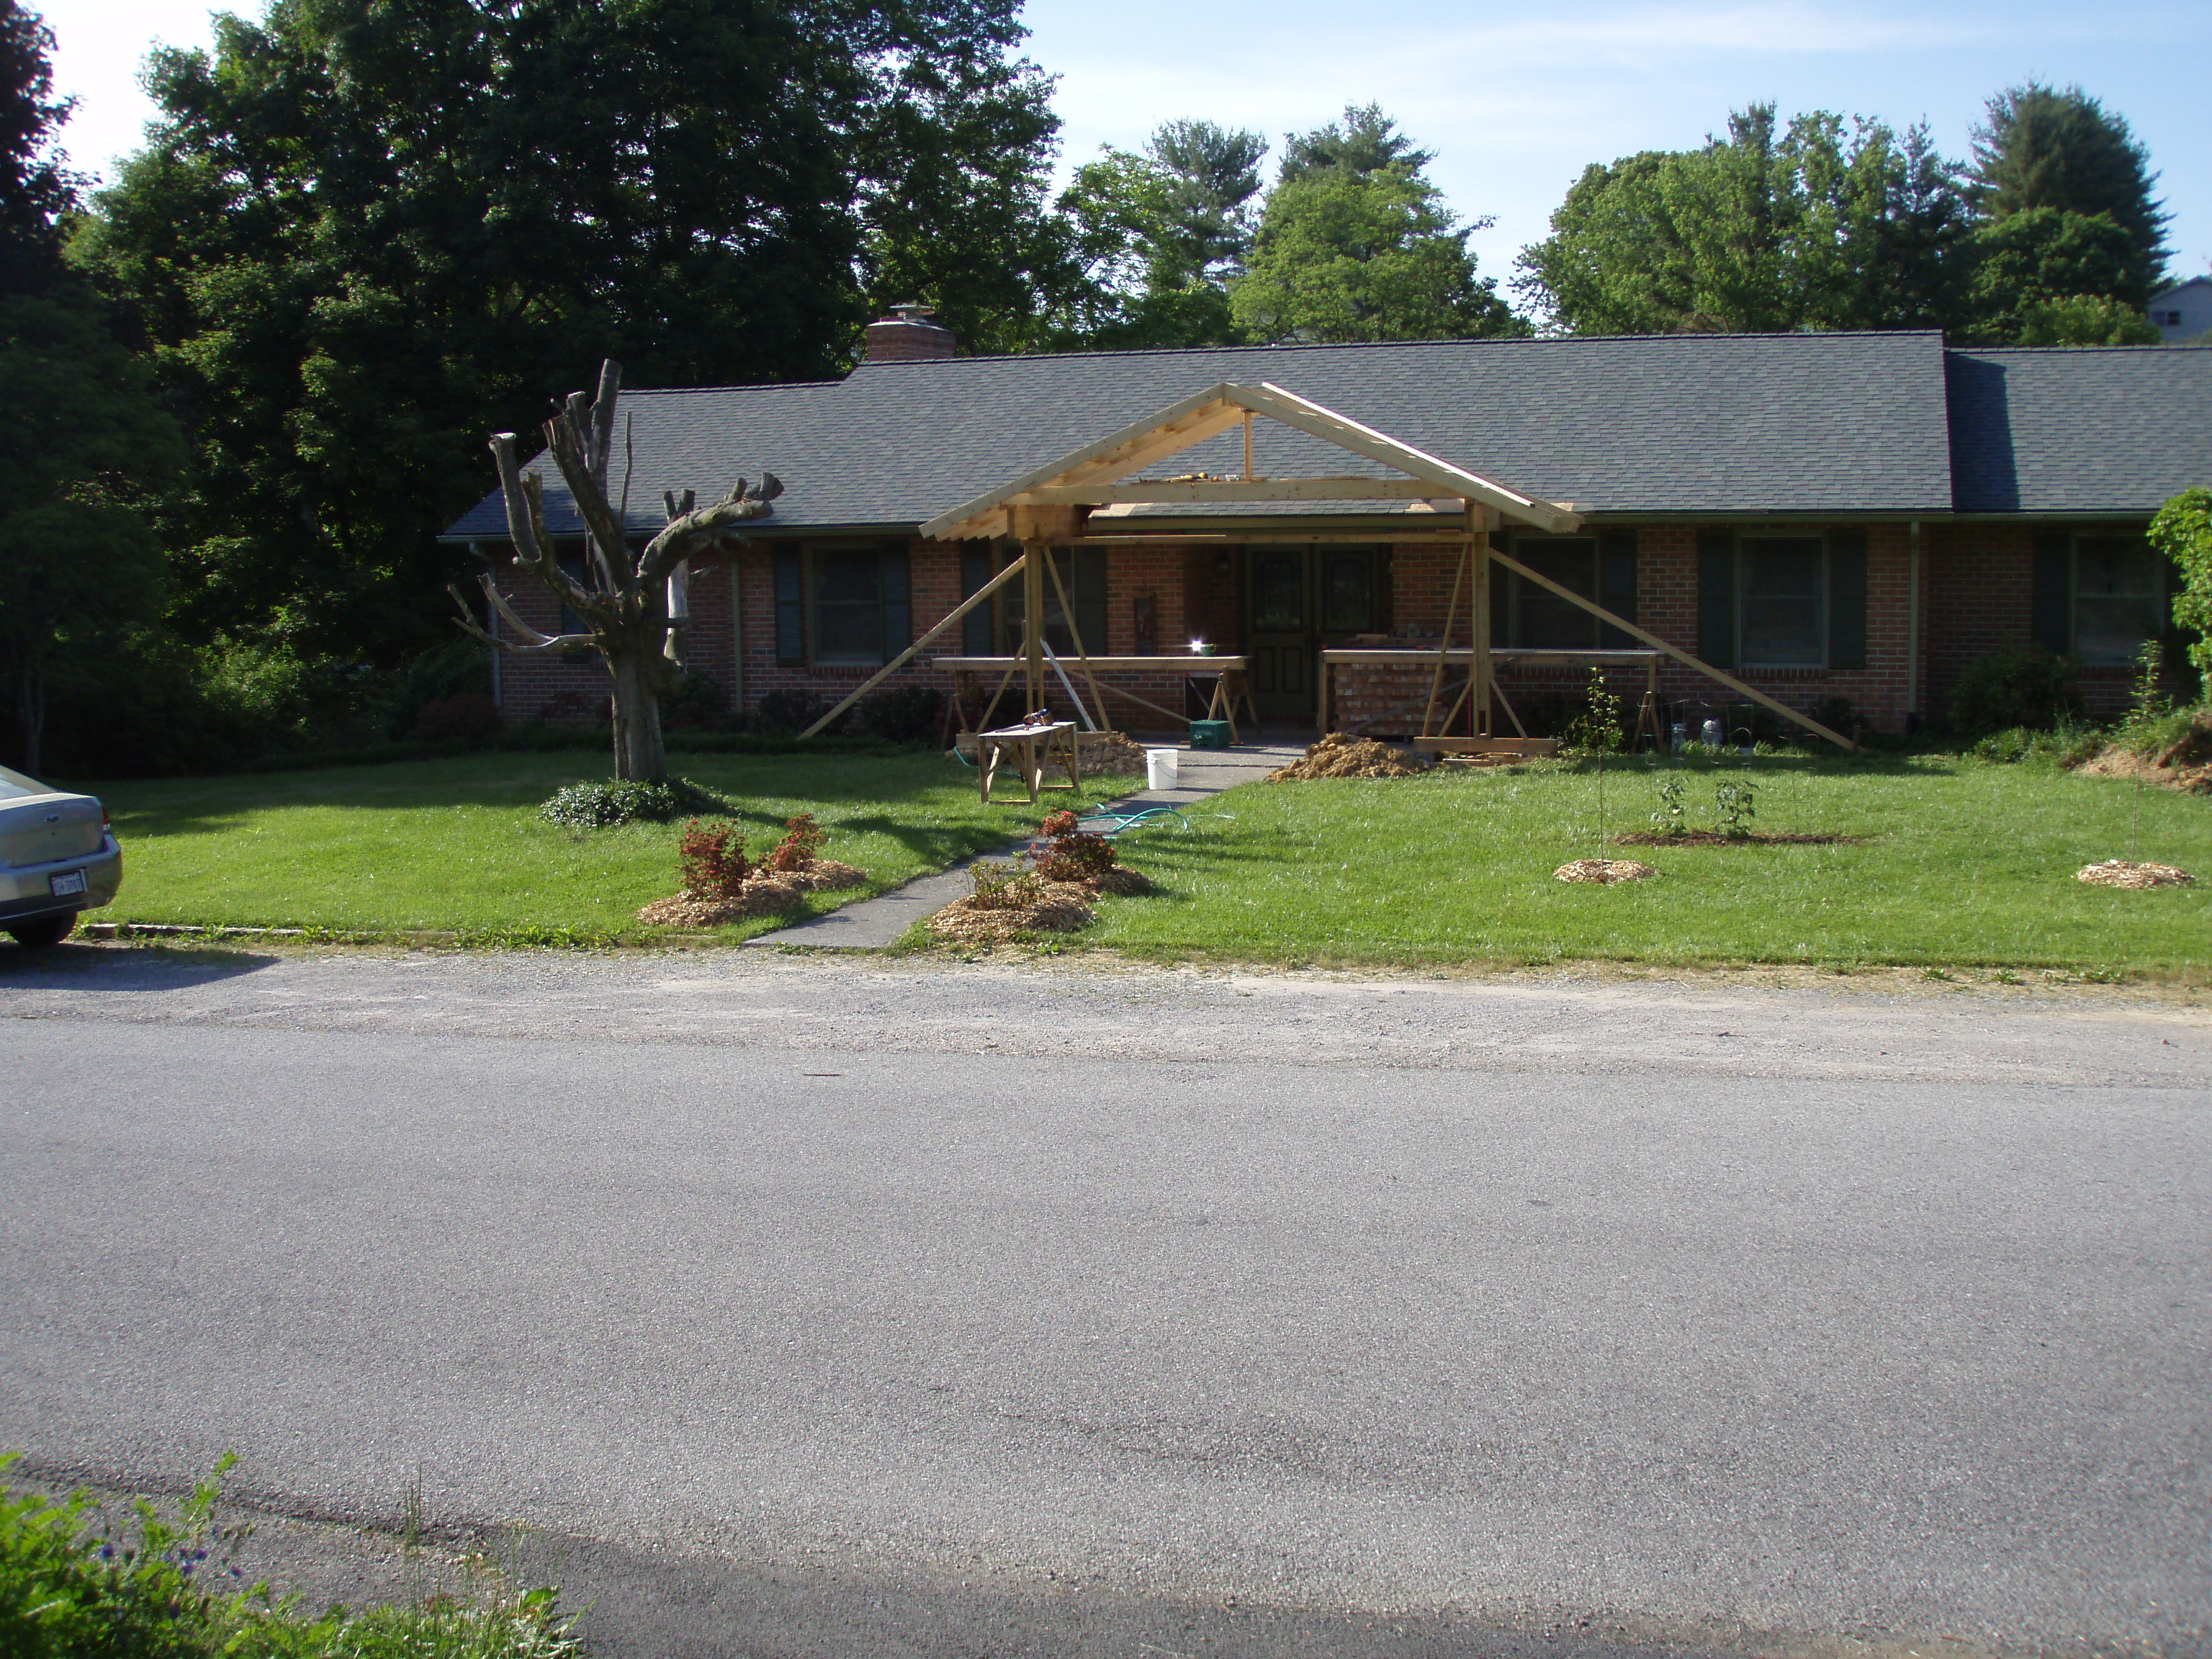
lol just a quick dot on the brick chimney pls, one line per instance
(908, 335)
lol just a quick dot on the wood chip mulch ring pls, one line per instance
(2122, 873)
(761, 896)
(1603, 871)
(1713, 838)
(1062, 908)
(824, 876)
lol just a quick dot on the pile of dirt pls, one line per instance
(1110, 755)
(1603, 871)
(1046, 907)
(1715, 838)
(2121, 873)
(761, 895)
(2186, 765)
(1338, 755)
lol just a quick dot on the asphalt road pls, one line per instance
(823, 1307)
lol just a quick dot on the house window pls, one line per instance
(1601, 568)
(840, 606)
(1083, 575)
(1783, 601)
(1782, 609)
(2118, 596)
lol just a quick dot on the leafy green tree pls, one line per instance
(2045, 276)
(36, 187)
(79, 560)
(1355, 244)
(2183, 531)
(2059, 149)
(364, 233)
(1810, 226)
(1161, 233)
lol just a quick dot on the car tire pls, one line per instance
(46, 929)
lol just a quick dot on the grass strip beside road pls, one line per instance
(1961, 862)
(457, 845)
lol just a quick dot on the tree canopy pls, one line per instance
(363, 232)
(2053, 149)
(1161, 233)
(1819, 225)
(1354, 243)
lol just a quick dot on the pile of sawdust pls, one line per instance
(761, 895)
(1603, 871)
(1337, 756)
(823, 876)
(2121, 873)
(1110, 755)
(1056, 906)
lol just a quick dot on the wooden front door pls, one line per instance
(1298, 599)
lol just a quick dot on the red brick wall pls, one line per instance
(1976, 595)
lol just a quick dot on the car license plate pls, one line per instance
(71, 881)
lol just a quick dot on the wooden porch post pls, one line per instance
(1039, 527)
(1478, 542)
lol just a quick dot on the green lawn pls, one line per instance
(457, 844)
(1963, 861)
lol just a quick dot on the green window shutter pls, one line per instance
(1716, 597)
(1616, 586)
(1501, 601)
(893, 579)
(1847, 599)
(975, 562)
(790, 608)
(1087, 593)
(2052, 621)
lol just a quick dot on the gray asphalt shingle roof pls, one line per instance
(1721, 424)
(2079, 431)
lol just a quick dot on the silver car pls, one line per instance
(56, 859)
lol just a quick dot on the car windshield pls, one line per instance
(14, 784)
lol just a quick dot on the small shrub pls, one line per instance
(2018, 686)
(1735, 803)
(792, 709)
(602, 804)
(714, 861)
(1004, 887)
(469, 716)
(1072, 855)
(695, 705)
(906, 714)
(800, 846)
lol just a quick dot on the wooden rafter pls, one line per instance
(1219, 408)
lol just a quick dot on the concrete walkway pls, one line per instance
(874, 923)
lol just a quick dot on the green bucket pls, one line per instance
(1209, 734)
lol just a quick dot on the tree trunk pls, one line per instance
(30, 713)
(640, 755)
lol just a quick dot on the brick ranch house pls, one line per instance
(1831, 517)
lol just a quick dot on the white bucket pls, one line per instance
(1160, 768)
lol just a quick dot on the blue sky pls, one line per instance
(1514, 102)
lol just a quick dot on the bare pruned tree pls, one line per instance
(634, 607)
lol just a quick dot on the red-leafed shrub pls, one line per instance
(801, 843)
(714, 861)
(1072, 855)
